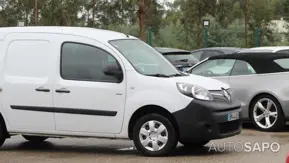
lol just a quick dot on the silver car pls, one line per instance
(260, 80)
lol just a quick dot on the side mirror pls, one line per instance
(113, 70)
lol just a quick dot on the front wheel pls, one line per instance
(154, 135)
(2, 135)
(34, 139)
(266, 113)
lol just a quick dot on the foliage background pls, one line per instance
(175, 24)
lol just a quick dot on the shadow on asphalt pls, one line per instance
(204, 151)
(119, 149)
(250, 126)
(105, 150)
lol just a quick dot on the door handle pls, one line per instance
(41, 89)
(62, 90)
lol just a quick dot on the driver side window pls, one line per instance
(214, 68)
(83, 62)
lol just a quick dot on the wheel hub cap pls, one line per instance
(265, 113)
(153, 135)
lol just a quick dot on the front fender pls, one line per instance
(172, 102)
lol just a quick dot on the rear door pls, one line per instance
(219, 69)
(26, 81)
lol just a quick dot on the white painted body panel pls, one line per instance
(88, 95)
(134, 92)
(19, 83)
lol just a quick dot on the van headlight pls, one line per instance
(195, 91)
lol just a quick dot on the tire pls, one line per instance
(2, 135)
(194, 144)
(274, 114)
(164, 140)
(34, 139)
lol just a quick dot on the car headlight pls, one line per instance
(195, 91)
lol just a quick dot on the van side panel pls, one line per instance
(26, 82)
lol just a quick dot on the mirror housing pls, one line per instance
(113, 70)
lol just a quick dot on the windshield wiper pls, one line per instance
(159, 75)
(166, 76)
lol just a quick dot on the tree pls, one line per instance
(260, 17)
(153, 15)
(192, 17)
(141, 17)
(36, 12)
(226, 12)
(22, 10)
(63, 13)
(148, 13)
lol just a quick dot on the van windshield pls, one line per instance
(145, 59)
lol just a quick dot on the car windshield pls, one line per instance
(145, 59)
(186, 57)
(218, 67)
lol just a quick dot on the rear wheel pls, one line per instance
(154, 135)
(267, 114)
(34, 139)
(2, 135)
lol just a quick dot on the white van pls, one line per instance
(80, 82)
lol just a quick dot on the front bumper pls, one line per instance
(204, 120)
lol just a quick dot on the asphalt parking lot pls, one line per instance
(72, 150)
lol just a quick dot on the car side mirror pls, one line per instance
(113, 70)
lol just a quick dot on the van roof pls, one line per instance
(98, 34)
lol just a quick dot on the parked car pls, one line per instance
(260, 81)
(181, 59)
(83, 82)
(272, 49)
(204, 53)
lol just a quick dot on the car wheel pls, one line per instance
(34, 139)
(194, 144)
(154, 135)
(2, 135)
(267, 114)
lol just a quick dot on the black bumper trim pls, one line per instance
(226, 110)
(204, 120)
